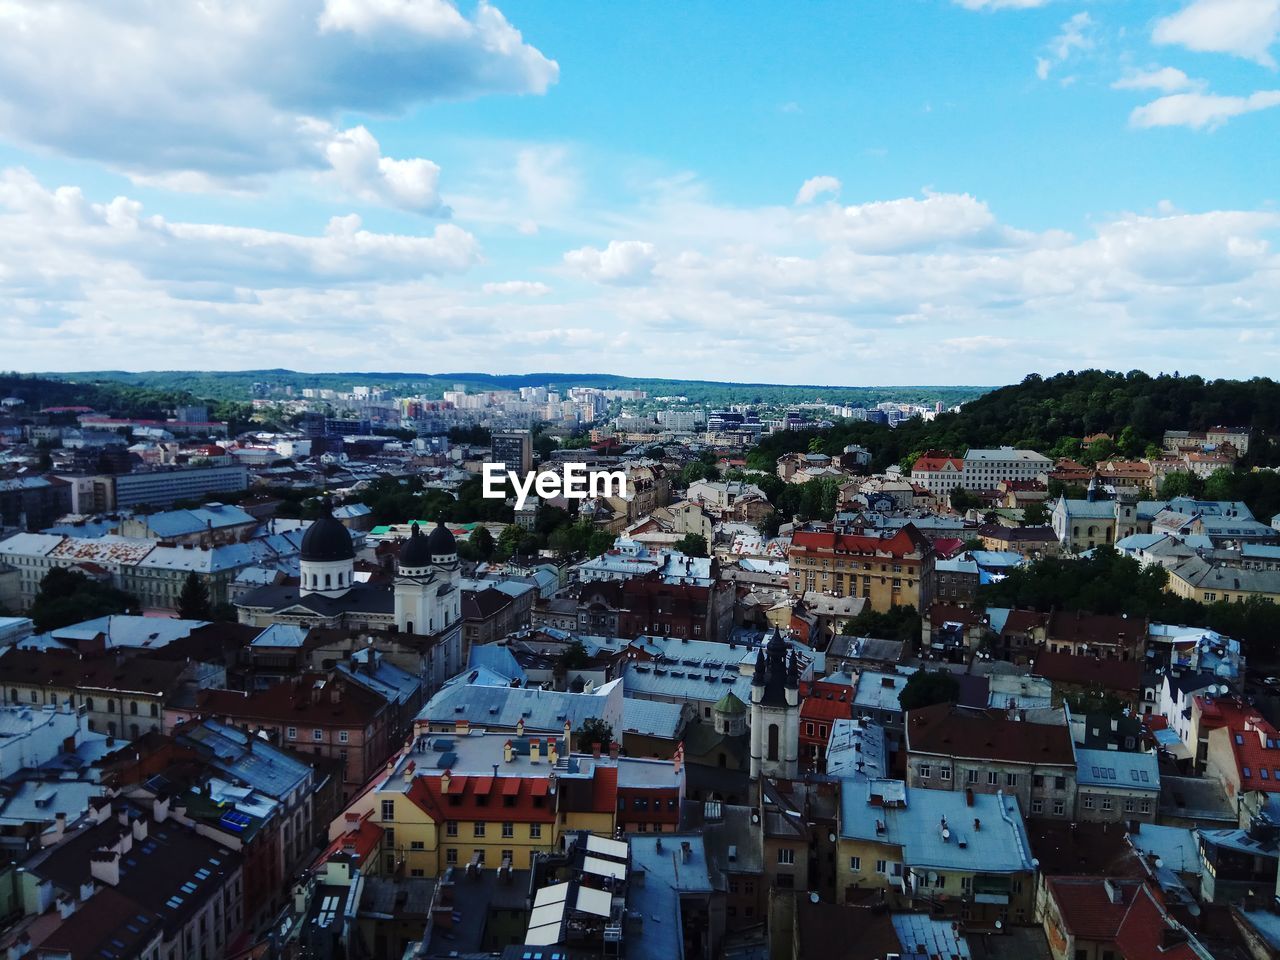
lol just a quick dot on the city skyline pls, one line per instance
(927, 192)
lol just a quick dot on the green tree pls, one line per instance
(193, 601)
(692, 544)
(68, 596)
(1035, 514)
(594, 730)
(482, 544)
(901, 623)
(924, 688)
(1182, 484)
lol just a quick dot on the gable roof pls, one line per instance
(1119, 675)
(944, 730)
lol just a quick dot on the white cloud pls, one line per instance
(621, 262)
(517, 288)
(223, 94)
(362, 171)
(1200, 110)
(1076, 35)
(1164, 79)
(1242, 28)
(815, 187)
(890, 226)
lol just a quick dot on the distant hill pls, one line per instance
(236, 385)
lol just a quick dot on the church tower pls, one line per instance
(327, 558)
(427, 598)
(775, 712)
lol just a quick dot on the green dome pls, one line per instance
(730, 704)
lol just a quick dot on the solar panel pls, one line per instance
(606, 847)
(596, 902)
(556, 893)
(604, 868)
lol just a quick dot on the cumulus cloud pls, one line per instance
(815, 187)
(1164, 79)
(1200, 111)
(223, 94)
(362, 171)
(909, 223)
(621, 262)
(1242, 28)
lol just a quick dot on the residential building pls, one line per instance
(513, 449)
(938, 472)
(1206, 581)
(889, 571)
(32, 503)
(160, 487)
(985, 468)
(1114, 785)
(1092, 918)
(987, 752)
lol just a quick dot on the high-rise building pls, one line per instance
(514, 448)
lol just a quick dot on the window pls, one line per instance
(971, 776)
(1059, 783)
(291, 733)
(451, 855)
(133, 707)
(388, 809)
(1128, 804)
(940, 881)
(1144, 806)
(993, 778)
(478, 829)
(925, 771)
(508, 830)
(786, 856)
(1106, 803)
(1088, 801)
(317, 734)
(344, 736)
(451, 828)
(808, 729)
(417, 845)
(535, 831)
(855, 864)
(944, 773)
(1037, 780)
(882, 866)
(1059, 808)
(1210, 597)
(388, 837)
(479, 855)
(155, 709)
(1037, 806)
(1010, 779)
(966, 884)
(509, 856)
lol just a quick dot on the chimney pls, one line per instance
(520, 727)
(462, 727)
(104, 866)
(87, 890)
(977, 825)
(686, 851)
(1114, 893)
(409, 768)
(552, 753)
(595, 750)
(445, 779)
(508, 754)
(535, 750)
(614, 747)
(66, 907)
(568, 737)
(968, 796)
(140, 829)
(160, 808)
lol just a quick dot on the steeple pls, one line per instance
(757, 678)
(793, 672)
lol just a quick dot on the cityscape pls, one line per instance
(491, 480)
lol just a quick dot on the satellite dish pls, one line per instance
(813, 897)
(999, 925)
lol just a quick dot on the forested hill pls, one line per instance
(1052, 414)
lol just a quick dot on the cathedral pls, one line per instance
(424, 597)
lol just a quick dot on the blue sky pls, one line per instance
(904, 192)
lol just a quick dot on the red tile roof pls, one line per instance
(947, 547)
(825, 701)
(906, 542)
(604, 794)
(1254, 742)
(1023, 621)
(312, 700)
(1076, 626)
(473, 798)
(943, 730)
(938, 460)
(1087, 911)
(1144, 930)
(940, 613)
(362, 840)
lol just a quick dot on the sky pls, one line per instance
(904, 192)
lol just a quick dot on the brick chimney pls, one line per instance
(508, 754)
(552, 753)
(445, 779)
(462, 726)
(535, 750)
(614, 747)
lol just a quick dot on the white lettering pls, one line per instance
(574, 480)
(494, 474)
(522, 490)
(548, 485)
(609, 483)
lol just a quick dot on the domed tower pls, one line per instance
(729, 716)
(426, 596)
(775, 712)
(1126, 513)
(327, 557)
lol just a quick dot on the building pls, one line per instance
(513, 449)
(1095, 917)
(1206, 581)
(1098, 635)
(32, 503)
(136, 881)
(984, 469)
(938, 472)
(962, 854)
(952, 749)
(1116, 785)
(775, 712)
(889, 571)
(214, 523)
(160, 488)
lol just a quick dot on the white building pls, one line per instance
(984, 469)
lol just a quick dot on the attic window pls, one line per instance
(1239, 740)
(1246, 771)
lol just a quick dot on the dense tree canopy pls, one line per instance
(924, 688)
(68, 596)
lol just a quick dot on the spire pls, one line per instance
(757, 678)
(793, 672)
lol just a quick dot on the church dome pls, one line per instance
(416, 551)
(730, 705)
(326, 540)
(441, 542)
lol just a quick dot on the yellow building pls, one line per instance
(1197, 579)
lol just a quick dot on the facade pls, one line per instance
(984, 469)
(32, 503)
(1117, 785)
(1196, 578)
(513, 449)
(775, 712)
(888, 571)
(983, 753)
(938, 472)
(160, 488)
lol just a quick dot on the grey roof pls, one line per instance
(362, 598)
(1176, 846)
(879, 690)
(497, 658)
(212, 516)
(40, 801)
(1117, 768)
(252, 761)
(700, 681)
(1208, 576)
(138, 633)
(922, 935)
(394, 685)
(542, 710)
(667, 876)
(853, 743)
(1000, 846)
(652, 718)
